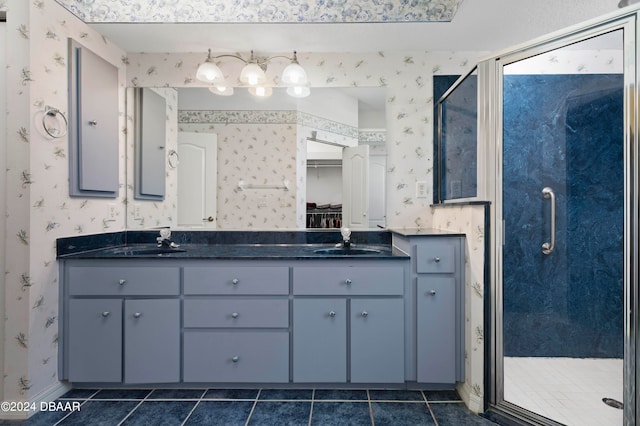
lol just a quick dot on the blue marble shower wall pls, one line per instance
(566, 132)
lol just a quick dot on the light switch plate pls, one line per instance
(421, 189)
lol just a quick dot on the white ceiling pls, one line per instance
(479, 25)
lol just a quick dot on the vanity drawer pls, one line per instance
(226, 280)
(236, 356)
(435, 257)
(385, 281)
(123, 281)
(236, 313)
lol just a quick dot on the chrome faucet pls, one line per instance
(346, 238)
(164, 240)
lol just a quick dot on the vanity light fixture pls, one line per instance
(253, 75)
(221, 90)
(261, 91)
(298, 91)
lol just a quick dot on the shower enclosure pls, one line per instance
(565, 229)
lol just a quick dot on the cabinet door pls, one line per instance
(94, 349)
(94, 126)
(150, 140)
(319, 340)
(152, 341)
(436, 329)
(377, 340)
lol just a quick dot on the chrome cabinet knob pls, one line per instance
(332, 314)
(235, 281)
(137, 315)
(436, 259)
(431, 293)
(93, 122)
(364, 314)
(235, 358)
(347, 281)
(208, 219)
(122, 282)
(234, 315)
(106, 314)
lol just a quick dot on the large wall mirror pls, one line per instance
(245, 162)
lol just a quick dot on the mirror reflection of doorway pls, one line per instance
(197, 180)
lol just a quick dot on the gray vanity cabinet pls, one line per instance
(236, 323)
(437, 324)
(121, 323)
(348, 323)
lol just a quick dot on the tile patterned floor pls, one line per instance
(259, 407)
(568, 390)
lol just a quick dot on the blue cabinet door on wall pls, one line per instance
(150, 140)
(93, 124)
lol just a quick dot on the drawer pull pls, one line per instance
(106, 314)
(234, 315)
(235, 358)
(347, 281)
(122, 282)
(364, 314)
(436, 259)
(137, 315)
(332, 314)
(431, 293)
(235, 281)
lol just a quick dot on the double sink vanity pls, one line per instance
(247, 308)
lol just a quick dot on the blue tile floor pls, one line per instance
(279, 407)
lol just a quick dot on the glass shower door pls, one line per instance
(563, 214)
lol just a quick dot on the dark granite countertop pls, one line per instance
(304, 244)
(238, 251)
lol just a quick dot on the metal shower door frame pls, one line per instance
(490, 136)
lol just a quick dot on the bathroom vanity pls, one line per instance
(282, 313)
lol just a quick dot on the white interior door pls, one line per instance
(355, 186)
(377, 190)
(197, 179)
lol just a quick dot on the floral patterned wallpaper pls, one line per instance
(39, 209)
(262, 11)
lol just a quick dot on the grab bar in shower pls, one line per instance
(547, 248)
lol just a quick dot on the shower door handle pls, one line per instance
(547, 248)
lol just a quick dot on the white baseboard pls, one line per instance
(473, 402)
(49, 394)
